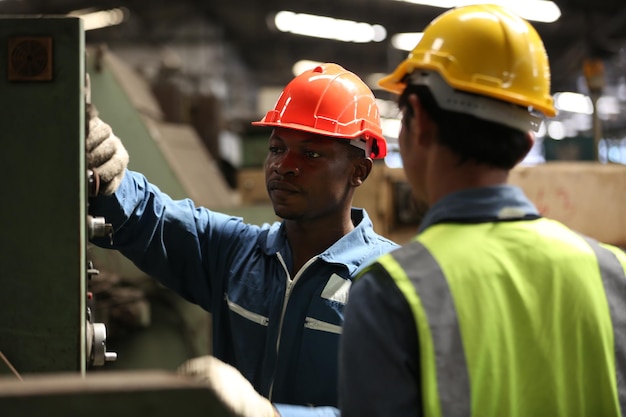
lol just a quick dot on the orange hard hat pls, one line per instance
(331, 101)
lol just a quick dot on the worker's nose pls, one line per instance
(287, 164)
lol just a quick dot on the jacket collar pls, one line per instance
(349, 250)
(495, 203)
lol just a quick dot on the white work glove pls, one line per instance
(106, 155)
(231, 388)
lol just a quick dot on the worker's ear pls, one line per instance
(530, 137)
(530, 142)
(361, 170)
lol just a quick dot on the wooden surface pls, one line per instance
(589, 197)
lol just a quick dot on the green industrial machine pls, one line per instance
(50, 341)
(50, 287)
(46, 269)
(43, 264)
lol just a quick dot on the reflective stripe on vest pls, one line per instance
(452, 390)
(445, 380)
(614, 282)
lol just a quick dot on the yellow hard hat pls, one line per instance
(486, 50)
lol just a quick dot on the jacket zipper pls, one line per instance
(236, 308)
(289, 287)
(311, 323)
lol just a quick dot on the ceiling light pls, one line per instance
(100, 19)
(573, 102)
(406, 41)
(536, 10)
(328, 27)
(391, 127)
(303, 65)
(608, 106)
(556, 130)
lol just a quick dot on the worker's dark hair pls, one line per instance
(471, 138)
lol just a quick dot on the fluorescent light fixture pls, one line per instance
(607, 107)
(573, 102)
(328, 27)
(406, 41)
(391, 127)
(303, 65)
(537, 10)
(556, 130)
(101, 18)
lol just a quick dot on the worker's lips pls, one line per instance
(282, 187)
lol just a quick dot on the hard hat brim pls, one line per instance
(380, 140)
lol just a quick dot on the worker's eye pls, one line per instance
(312, 154)
(275, 149)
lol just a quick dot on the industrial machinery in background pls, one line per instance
(147, 325)
(46, 324)
(52, 342)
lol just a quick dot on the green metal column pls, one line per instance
(43, 185)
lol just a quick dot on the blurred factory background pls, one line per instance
(220, 64)
(180, 82)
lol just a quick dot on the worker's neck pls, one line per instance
(312, 237)
(450, 176)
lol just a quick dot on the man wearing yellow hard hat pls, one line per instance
(492, 309)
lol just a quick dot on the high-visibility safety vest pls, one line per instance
(516, 318)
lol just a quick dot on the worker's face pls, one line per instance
(310, 176)
(412, 151)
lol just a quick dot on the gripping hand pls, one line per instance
(230, 387)
(106, 155)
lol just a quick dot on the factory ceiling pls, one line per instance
(586, 29)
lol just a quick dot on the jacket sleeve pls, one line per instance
(286, 410)
(182, 246)
(379, 371)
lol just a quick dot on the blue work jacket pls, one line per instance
(280, 331)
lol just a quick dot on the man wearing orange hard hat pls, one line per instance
(491, 310)
(276, 291)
